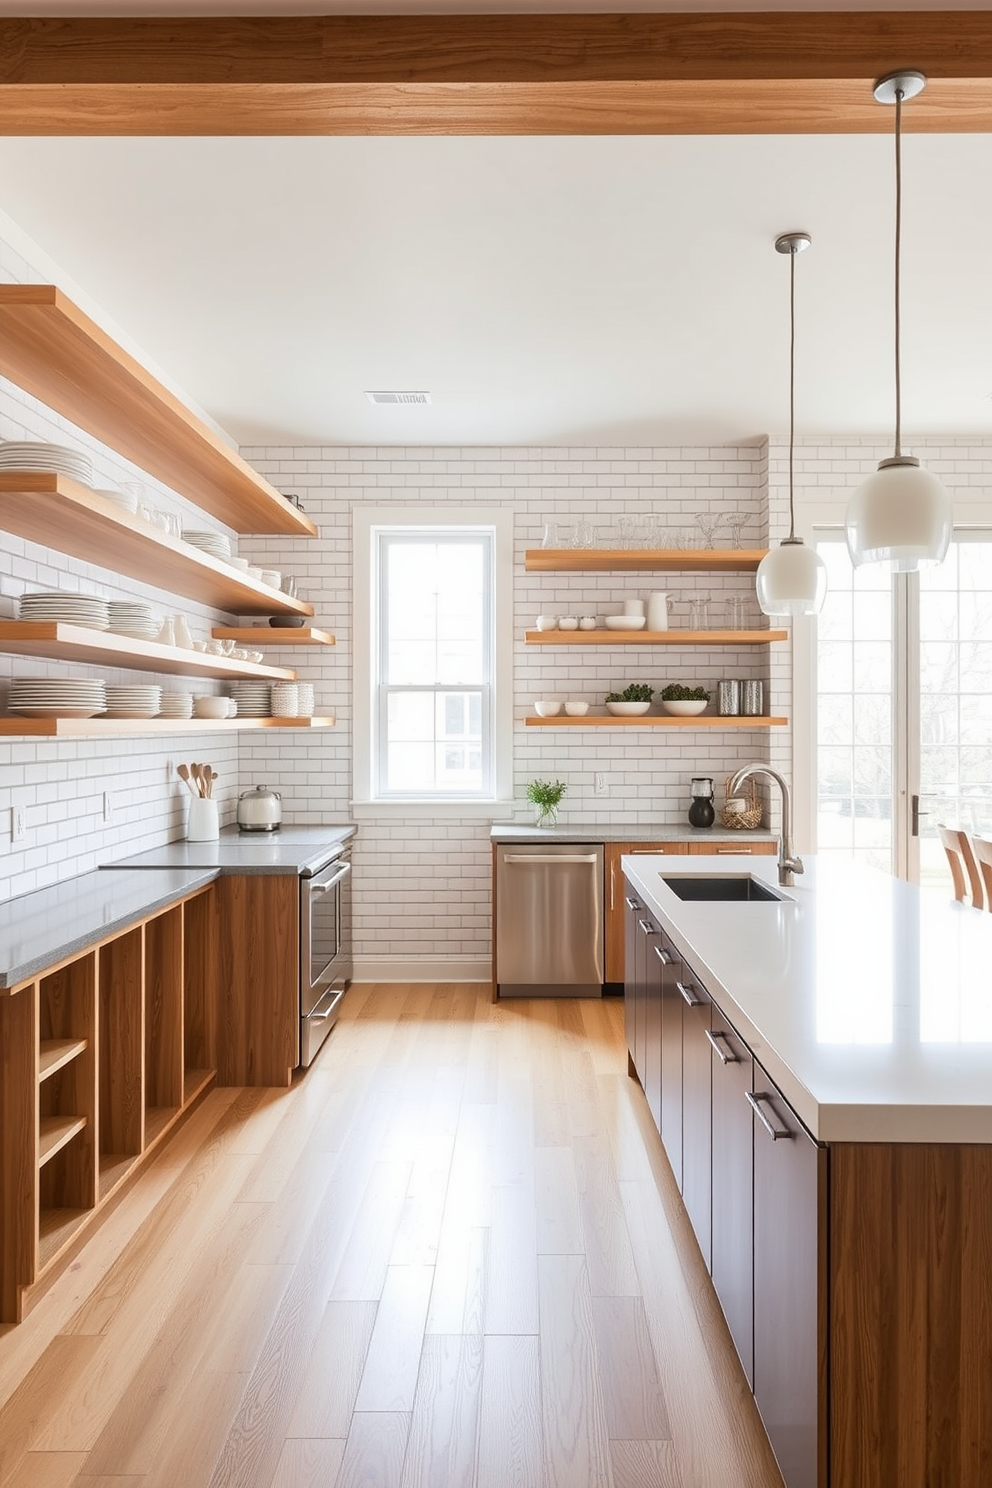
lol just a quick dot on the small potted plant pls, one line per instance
(634, 700)
(686, 702)
(545, 796)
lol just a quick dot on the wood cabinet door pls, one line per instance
(731, 1265)
(786, 1282)
(697, 1156)
(723, 846)
(616, 888)
(671, 1060)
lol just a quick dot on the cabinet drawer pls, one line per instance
(722, 845)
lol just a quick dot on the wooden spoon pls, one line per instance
(184, 776)
(211, 777)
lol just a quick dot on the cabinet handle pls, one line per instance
(632, 904)
(663, 955)
(725, 1056)
(687, 995)
(757, 1104)
(613, 883)
(737, 852)
(647, 927)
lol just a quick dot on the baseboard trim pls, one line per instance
(422, 969)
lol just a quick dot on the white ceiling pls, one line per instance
(552, 290)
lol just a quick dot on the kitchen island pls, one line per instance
(819, 1067)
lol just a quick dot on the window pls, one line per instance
(436, 707)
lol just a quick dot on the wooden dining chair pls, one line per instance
(983, 852)
(958, 847)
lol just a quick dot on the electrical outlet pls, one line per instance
(599, 785)
(18, 824)
(108, 806)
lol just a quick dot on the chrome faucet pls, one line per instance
(789, 862)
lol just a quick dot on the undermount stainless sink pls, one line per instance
(739, 888)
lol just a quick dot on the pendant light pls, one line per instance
(901, 515)
(792, 578)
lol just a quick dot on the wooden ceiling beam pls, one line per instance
(803, 73)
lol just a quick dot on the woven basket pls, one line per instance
(750, 817)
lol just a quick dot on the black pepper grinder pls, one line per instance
(701, 812)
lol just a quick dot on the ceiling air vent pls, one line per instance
(398, 397)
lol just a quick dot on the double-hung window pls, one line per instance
(434, 715)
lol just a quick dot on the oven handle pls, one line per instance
(323, 888)
(335, 996)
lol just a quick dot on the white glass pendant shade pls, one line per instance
(901, 515)
(791, 580)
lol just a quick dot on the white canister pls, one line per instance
(658, 611)
(633, 607)
(203, 821)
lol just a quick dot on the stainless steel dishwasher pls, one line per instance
(549, 920)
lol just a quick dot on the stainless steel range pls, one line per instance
(325, 948)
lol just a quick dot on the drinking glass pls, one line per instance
(627, 531)
(736, 521)
(734, 612)
(550, 538)
(708, 524)
(699, 612)
(583, 534)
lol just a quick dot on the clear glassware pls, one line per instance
(699, 612)
(550, 538)
(709, 523)
(735, 521)
(734, 612)
(584, 537)
(627, 531)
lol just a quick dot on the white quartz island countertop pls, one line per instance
(867, 1000)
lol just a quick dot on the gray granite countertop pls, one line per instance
(613, 832)
(41, 928)
(290, 850)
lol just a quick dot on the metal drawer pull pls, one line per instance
(687, 994)
(663, 956)
(632, 904)
(734, 851)
(647, 927)
(550, 858)
(332, 883)
(757, 1104)
(725, 1056)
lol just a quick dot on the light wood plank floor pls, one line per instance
(452, 1256)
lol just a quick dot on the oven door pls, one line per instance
(325, 952)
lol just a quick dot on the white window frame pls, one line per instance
(367, 524)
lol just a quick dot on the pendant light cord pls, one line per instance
(899, 98)
(792, 393)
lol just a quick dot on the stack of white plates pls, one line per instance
(132, 617)
(176, 705)
(133, 702)
(253, 699)
(126, 500)
(72, 609)
(214, 543)
(43, 697)
(17, 454)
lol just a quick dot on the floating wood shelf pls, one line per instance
(54, 1132)
(262, 635)
(654, 637)
(56, 641)
(643, 560)
(63, 514)
(95, 728)
(54, 1054)
(54, 351)
(653, 720)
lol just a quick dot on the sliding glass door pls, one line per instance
(904, 707)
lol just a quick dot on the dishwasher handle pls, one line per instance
(550, 858)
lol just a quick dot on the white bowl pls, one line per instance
(271, 576)
(628, 710)
(547, 622)
(587, 622)
(547, 707)
(687, 709)
(210, 706)
(576, 710)
(567, 623)
(625, 622)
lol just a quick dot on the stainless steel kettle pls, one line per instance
(260, 810)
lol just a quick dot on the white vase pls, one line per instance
(203, 821)
(658, 611)
(182, 633)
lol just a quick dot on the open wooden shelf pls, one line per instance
(56, 1230)
(96, 728)
(158, 1119)
(649, 720)
(62, 514)
(643, 560)
(54, 1054)
(258, 636)
(54, 1132)
(195, 1080)
(114, 1168)
(56, 641)
(54, 351)
(654, 637)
